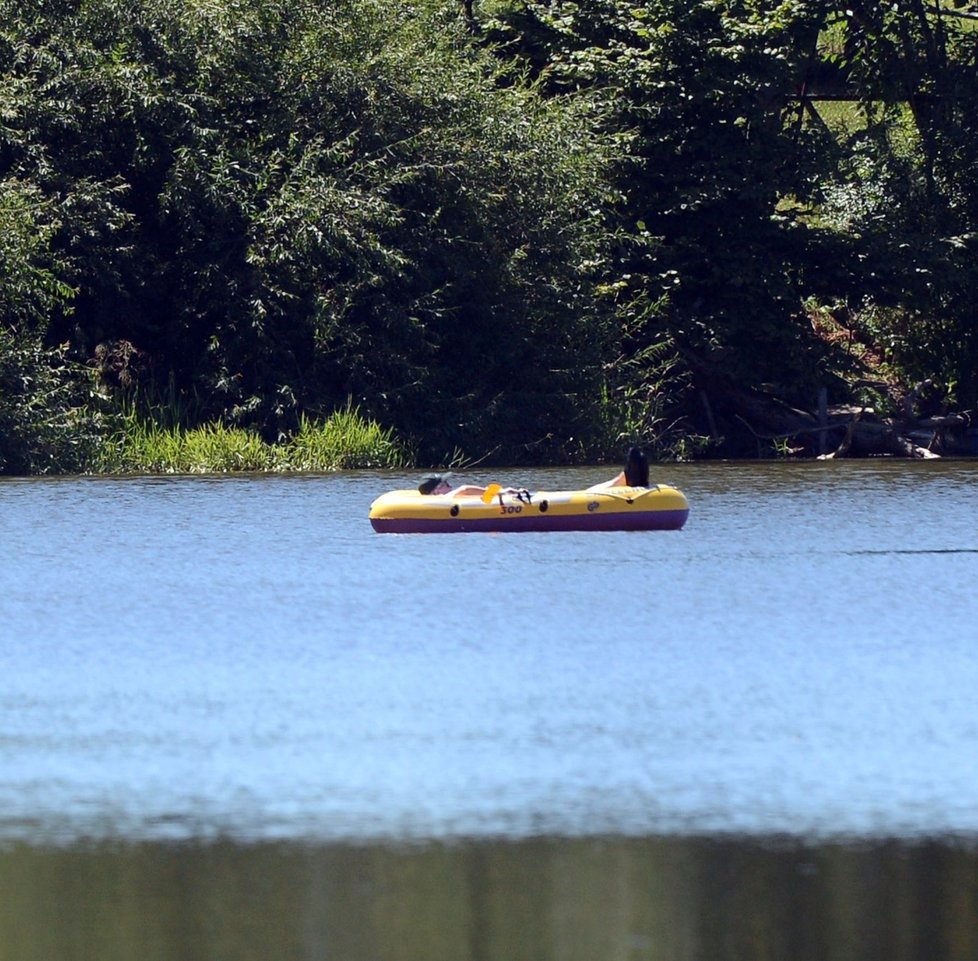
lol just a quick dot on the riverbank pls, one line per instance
(99, 436)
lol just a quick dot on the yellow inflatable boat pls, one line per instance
(656, 508)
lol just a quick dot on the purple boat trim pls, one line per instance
(619, 521)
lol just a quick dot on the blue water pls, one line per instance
(245, 657)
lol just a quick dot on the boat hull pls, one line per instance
(659, 508)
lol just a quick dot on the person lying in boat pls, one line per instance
(440, 484)
(635, 474)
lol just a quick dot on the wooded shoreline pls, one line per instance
(507, 232)
(837, 431)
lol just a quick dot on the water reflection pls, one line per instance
(660, 899)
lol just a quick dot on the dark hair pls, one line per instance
(636, 468)
(430, 481)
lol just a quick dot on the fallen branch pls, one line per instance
(843, 448)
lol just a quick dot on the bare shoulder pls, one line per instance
(468, 490)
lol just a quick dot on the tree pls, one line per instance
(911, 190)
(708, 259)
(286, 206)
(735, 211)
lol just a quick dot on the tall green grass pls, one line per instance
(345, 440)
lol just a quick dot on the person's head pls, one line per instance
(636, 468)
(435, 484)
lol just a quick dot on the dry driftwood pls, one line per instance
(832, 432)
(875, 439)
(854, 431)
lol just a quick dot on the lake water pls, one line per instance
(235, 722)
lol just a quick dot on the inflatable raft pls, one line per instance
(656, 508)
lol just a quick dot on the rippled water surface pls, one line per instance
(236, 724)
(189, 657)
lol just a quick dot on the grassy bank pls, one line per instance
(343, 441)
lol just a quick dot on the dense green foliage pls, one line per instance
(907, 190)
(524, 231)
(50, 413)
(695, 92)
(741, 208)
(284, 207)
